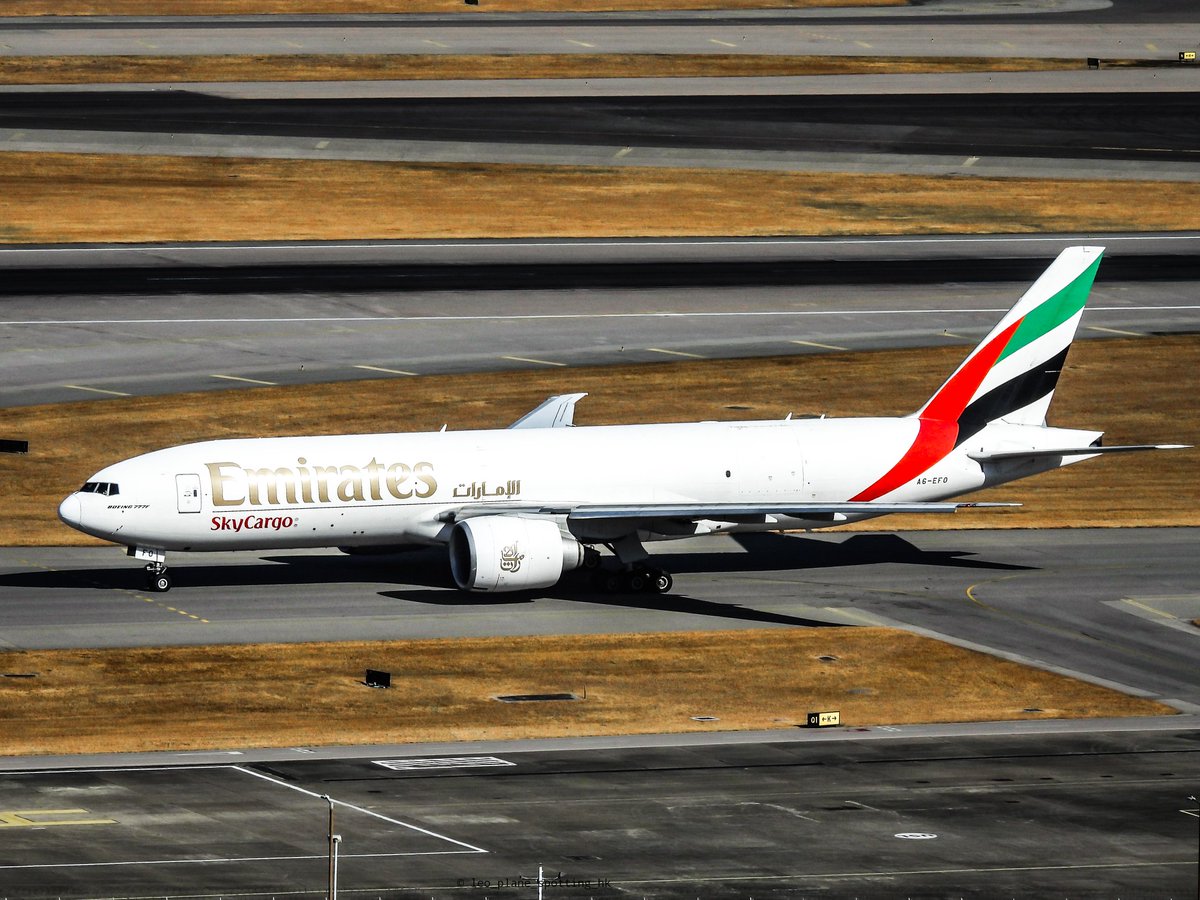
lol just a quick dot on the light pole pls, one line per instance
(1194, 800)
(334, 840)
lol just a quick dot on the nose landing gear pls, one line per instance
(157, 579)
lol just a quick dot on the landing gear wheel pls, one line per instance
(662, 583)
(636, 581)
(610, 582)
(591, 558)
(157, 578)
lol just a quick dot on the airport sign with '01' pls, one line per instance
(824, 719)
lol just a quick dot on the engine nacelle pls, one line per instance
(510, 553)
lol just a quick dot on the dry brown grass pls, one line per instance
(87, 701)
(349, 7)
(118, 69)
(60, 197)
(1139, 390)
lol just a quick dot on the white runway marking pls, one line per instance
(388, 371)
(819, 346)
(465, 847)
(441, 762)
(1114, 331)
(81, 387)
(441, 837)
(532, 317)
(247, 380)
(540, 362)
(674, 352)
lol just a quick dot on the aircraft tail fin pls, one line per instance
(1012, 374)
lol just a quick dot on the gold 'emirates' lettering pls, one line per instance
(233, 485)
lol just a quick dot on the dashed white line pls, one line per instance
(387, 371)
(819, 346)
(580, 43)
(673, 352)
(1114, 331)
(82, 387)
(247, 380)
(533, 317)
(721, 43)
(540, 362)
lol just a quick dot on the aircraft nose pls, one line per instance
(70, 511)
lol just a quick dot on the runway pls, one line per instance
(1112, 605)
(884, 813)
(210, 317)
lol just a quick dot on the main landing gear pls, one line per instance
(638, 579)
(634, 576)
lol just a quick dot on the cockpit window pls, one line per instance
(107, 488)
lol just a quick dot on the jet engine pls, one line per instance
(510, 553)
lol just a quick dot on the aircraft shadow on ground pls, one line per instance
(425, 575)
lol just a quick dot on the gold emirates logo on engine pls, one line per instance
(235, 485)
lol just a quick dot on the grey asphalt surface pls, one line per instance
(1110, 604)
(777, 36)
(1095, 814)
(485, 305)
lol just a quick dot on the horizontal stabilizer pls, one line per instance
(554, 412)
(1071, 451)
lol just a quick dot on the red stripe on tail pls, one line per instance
(938, 426)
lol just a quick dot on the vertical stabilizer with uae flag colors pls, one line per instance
(991, 412)
(1012, 374)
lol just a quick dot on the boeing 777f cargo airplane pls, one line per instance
(518, 507)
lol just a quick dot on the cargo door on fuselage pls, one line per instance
(187, 490)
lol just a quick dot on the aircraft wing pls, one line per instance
(733, 512)
(635, 513)
(987, 456)
(553, 412)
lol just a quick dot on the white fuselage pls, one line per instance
(383, 489)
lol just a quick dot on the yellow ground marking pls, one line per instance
(1115, 331)
(819, 346)
(247, 380)
(721, 43)
(1150, 609)
(182, 612)
(35, 818)
(81, 387)
(382, 369)
(1150, 46)
(674, 352)
(540, 362)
